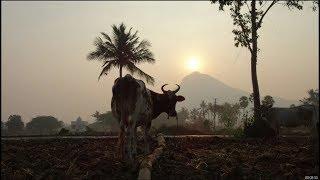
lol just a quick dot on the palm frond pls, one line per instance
(143, 55)
(133, 69)
(103, 51)
(143, 44)
(106, 69)
(106, 36)
(114, 61)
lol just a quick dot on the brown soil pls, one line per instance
(183, 158)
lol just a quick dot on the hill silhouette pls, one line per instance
(197, 87)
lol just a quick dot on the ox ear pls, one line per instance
(180, 98)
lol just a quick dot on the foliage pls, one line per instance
(44, 124)
(104, 122)
(123, 49)
(14, 124)
(250, 98)
(183, 114)
(89, 131)
(63, 132)
(312, 99)
(105, 118)
(243, 102)
(203, 109)
(2, 125)
(267, 101)
(194, 114)
(229, 114)
(242, 16)
(162, 119)
(292, 106)
(207, 124)
(247, 20)
(212, 109)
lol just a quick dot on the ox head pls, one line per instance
(170, 100)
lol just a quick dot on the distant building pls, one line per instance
(79, 125)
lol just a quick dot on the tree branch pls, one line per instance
(260, 21)
(246, 38)
(242, 26)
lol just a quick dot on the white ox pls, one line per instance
(134, 105)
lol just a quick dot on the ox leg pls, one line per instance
(134, 143)
(121, 141)
(133, 139)
(147, 138)
(129, 137)
(278, 131)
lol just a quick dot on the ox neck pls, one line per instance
(158, 104)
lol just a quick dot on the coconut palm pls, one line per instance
(123, 50)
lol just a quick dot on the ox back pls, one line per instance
(130, 96)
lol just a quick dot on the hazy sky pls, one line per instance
(44, 47)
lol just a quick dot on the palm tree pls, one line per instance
(124, 49)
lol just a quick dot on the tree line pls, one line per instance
(40, 125)
(207, 117)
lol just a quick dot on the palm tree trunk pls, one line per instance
(120, 70)
(255, 85)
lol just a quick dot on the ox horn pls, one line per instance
(163, 87)
(175, 91)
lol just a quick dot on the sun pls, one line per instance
(193, 64)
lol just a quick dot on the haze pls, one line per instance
(45, 44)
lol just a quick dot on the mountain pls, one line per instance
(196, 87)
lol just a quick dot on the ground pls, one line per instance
(210, 158)
(183, 158)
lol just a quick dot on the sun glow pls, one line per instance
(193, 64)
